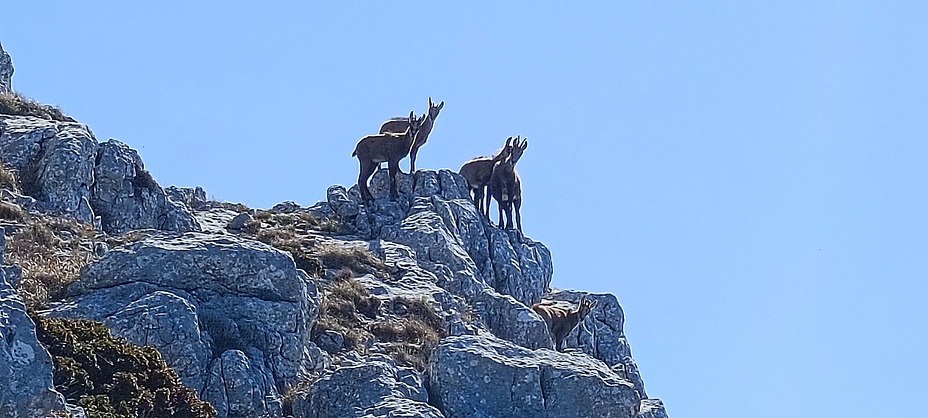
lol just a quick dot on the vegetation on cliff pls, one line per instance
(110, 377)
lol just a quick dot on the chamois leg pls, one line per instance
(412, 158)
(508, 215)
(486, 209)
(559, 345)
(394, 167)
(499, 205)
(518, 207)
(478, 199)
(365, 173)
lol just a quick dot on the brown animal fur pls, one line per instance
(561, 321)
(398, 125)
(386, 147)
(477, 173)
(506, 187)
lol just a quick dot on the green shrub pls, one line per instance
(110, 377)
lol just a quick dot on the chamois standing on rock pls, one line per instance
(477, 173)
(399, 125)
(561, 321)
(385, 147)
(506, 187)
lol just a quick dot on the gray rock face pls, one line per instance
(63, 167)
(369, 388)
(482, 376)
(25, 365)
(499, 272)
(55, 162)
(651, 408)
(602, 334)
(6, 72)
(126, 197)
(232, 316)
(240, 221)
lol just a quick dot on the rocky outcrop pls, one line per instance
(6, 72)
(500, 273)
(479, 376)
(232, 316)
(602, 334)
(127, 197)
(372, 388)
(69, 173)
(54, 160)
(25, 365)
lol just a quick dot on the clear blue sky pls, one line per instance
(749, 180)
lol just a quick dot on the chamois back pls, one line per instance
(398, 125)
(385, 147)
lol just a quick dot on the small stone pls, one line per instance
(240, 221)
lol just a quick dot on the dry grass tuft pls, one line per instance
(12, 212)
(51, 253)
(8, 179)
(357, 259)
(18, 105)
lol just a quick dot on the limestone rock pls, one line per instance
(6, 72)
(224, 311)
(127, 197)
(192, 197)
(240, 221)
(64, 168)
(482, 376)
(602, 334)
(370, 388)
(25, 365)
(54, 160)
(239, 386)
(651, 408)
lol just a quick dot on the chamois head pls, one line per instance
(435, 108)
(584, 307)
(518, 148)
(506, 187)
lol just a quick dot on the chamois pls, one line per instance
(477, 173)
(561, 321)
(375, 149)
(399, 125)
(506, 187)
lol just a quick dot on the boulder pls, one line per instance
(651, 408)
(55, 162)
(602, 333)
(372, 387)
(224, 311)
(483, 376)
(126, 196)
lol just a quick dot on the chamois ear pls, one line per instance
(524, 144)
(430, 101)
(441, 105)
